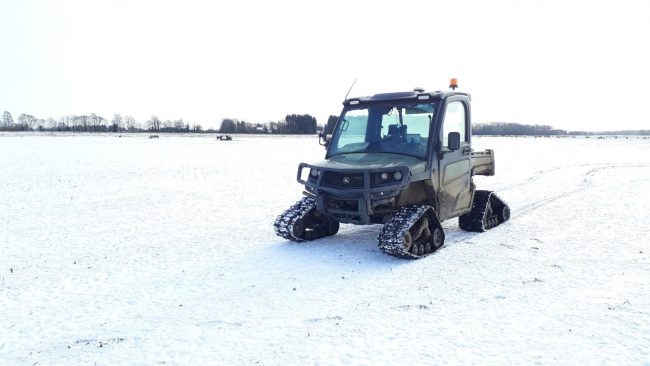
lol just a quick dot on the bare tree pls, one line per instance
(7, 120)
(40, 124)
(154, 123)
(130, 123)
(84, 122)
(94, 121)
(179, 125)
(26, 122)
(51, 123)
(63, 125)
(102, 123)
(118, 124)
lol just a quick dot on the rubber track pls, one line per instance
(391, 234)
(475, 219)
(283, 224)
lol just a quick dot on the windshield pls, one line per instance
(388, 128)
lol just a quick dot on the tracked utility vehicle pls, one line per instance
(404, 160)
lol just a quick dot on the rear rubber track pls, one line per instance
(488, 211)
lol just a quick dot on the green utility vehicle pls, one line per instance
(404, 160)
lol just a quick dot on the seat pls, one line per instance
(397, 132)
(393, 130)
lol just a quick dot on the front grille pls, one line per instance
(343, 204)
(335, 179)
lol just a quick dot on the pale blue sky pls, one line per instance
(579, 65)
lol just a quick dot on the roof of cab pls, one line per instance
(404, 96)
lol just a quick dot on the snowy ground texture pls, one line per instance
(128, 251)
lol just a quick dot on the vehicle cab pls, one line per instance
(392, 149)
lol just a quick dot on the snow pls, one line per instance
(133, 251)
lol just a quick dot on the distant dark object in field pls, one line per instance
(154, 136)
(224, 138)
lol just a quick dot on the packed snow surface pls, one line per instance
(134, 251)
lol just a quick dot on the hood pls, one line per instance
(357, 161)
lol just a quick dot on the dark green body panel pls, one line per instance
(443, 180)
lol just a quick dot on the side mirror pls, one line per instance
(453, 141)
(323, 140)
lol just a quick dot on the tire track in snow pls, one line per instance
(457, 236)
(541, 173)
(584, 184)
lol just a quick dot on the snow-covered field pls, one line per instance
(135, 251)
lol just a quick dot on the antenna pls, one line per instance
(351, 86)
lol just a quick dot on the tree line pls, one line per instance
(502, 128)
(516, 129)
(94, 123)
(292, 124)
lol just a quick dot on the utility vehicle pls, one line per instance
(404, 160)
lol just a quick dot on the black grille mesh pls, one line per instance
(334, 179)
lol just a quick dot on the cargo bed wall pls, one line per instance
(483, 162)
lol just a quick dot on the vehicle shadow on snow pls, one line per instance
(354, 245)
(456, 236)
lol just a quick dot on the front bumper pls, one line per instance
(362, 201)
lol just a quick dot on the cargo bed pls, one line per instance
(482, 162)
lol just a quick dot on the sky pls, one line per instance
(576, 65)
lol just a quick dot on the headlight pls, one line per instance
(383, 176)
(314, 173)
(397, 176)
